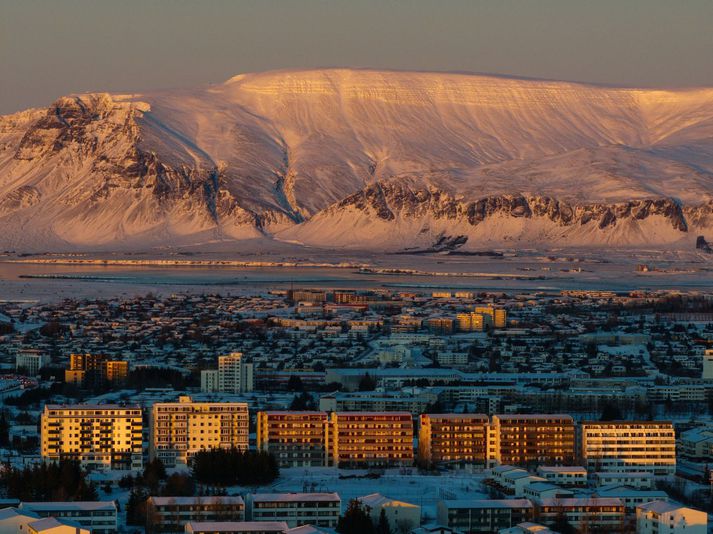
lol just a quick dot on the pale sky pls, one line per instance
(49, 48)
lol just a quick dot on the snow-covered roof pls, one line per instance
(163, 501)
(488, 503)
(581, 501)
(294, 497)
(377, 499)
(77, 506)
(236, 526)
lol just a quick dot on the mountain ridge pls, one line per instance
(291, 155)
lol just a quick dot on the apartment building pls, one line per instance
(453, 438)
(592, 513)
(171, 514)
(97, 516)
(236, 527)
(357, 439)
(294, 438)
(496, 316)
(532, 439)
(485, 516)
(95, 370)
(30, 361)
(180, 429)
(471, 322)
(564, 475)
(51, 525)
(401, 516)
(116, 371)
(660, 517)
(106, 436)
(295, 509)
(378, 401)
(623, 446)
(235, 375)
(440, 325)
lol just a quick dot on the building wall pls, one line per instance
(622, 446)
(533, 439)
(446, 438)
(102, 436)
(171, 514)
(180, 429)
(295, 438)
(679, 521)
(370, 439)
(296, 511)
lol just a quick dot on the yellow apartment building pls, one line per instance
(105, 436)
(180, 429)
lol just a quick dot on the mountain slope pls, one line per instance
(361, 158)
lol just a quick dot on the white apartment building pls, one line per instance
(31, 361)
(402, 516)
(659, 517)
(235, 375)
(209, 381)
(707, 373)
(564, 475)
(624, 446)
(295, 509)
(180, 429)
(97, 516)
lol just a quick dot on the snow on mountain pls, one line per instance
(361, 158)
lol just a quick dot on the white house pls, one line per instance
(660, 517)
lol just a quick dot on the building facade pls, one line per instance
(356, 439)
(31, 361)
(295, 439)
(102, 436)
(180, 429)
(94, 371)
(296, 509)
(171, 514)
(97, 516)
(660, 517)
(584, 513)
(235, 375)
(623, 446)
(533, 439)
(485, 516)
(453, 438)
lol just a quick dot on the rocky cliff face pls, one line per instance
(389, 201)
(361, 159)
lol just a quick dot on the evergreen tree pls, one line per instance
(4, 430)
(383, 527)
(367, 383)
(610, 412)
(227, 467)
(355, 520)
(136, 507)
(154, 473)
(294, 383)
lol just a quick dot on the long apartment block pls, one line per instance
(296, 509)
(347, 439)
(628, 446)
(103, 436)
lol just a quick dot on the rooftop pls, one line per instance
(294, 497)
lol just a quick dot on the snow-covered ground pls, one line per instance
(252, 158)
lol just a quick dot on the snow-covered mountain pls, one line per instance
(361, 158)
